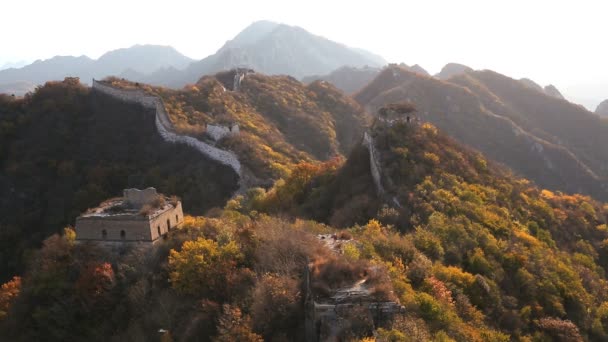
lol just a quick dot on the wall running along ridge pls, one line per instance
(165, 127)
(374, 164)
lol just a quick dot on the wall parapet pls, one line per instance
(165, 127)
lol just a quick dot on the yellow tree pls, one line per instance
(202, 266)
(8, 292)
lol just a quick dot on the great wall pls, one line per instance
(387, 117)
(374, 163)
(165, 127)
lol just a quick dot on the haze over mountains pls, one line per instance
(541, 132)
(135, 61)
(264, 46)
(17, 64)
(558, 144)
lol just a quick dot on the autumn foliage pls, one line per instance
(8, 293)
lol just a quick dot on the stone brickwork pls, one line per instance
(128, 227)
(138, 198)
(327, 319)
(165, 127)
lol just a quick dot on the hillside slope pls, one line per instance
(531, 262)
(65, 149)
(347, 79)
(281, 120)
(351, 79)
(551, 141)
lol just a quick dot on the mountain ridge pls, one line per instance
(142, 59)
(273, 48)
(467, 108)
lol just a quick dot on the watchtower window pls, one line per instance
(123, 234)
(176, 219)
(168, 224)
(158, 228)
(104, 234)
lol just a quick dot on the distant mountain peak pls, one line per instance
(452, 69)
(137, 61)
(143, 58)
(274, 48)
(551, 90)
(251, 34)
(602, 109)
(416, 68)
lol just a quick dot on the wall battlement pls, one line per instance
(165, 127)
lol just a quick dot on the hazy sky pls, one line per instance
(559, 42)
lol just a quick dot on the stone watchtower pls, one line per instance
(397, 112)
(138, 216)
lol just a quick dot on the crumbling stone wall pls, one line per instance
(217, 132)
(137, 198)
(165, 127)
(327, 320)
(232, 79)
(374, 163)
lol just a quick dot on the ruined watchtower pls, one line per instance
(231, 79)
(138, 216)
(397, 112)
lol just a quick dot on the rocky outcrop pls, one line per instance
(165, 127)
(602, 109)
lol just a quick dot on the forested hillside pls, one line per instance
(529, 262)
(472, 254)
(556, 144)
(64, 149)
(282, 121)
